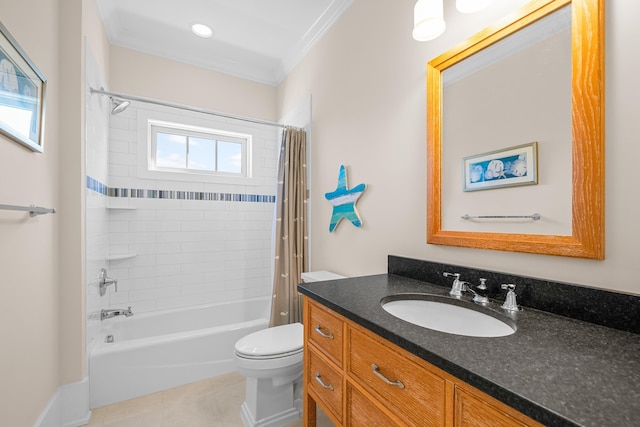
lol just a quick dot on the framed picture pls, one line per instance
(501, 168)
(22, 95)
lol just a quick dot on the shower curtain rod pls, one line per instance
(186, 107)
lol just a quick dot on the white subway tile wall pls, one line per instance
(175, 243)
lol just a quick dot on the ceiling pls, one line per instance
(259, 40)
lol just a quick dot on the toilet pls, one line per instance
(271, 361)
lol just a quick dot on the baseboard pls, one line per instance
(69, 406)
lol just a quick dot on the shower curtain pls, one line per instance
(291, 228)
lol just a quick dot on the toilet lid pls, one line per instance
(279, 340)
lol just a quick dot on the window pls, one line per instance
(189, 149)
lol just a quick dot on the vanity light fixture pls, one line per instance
(202, 30)
(428, 16)
(428, 20)
(470, 6)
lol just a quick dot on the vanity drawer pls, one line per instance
(419, 396)
(326, 384)
(325, 332)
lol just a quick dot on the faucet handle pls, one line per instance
(458, 285)
(104, 281)
(510, 303)
(483, 285)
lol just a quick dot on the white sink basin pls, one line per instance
(446, 315)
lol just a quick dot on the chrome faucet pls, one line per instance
(510, 303)
(480, 293)
(104, 281)
(458, 285)
(108, 314)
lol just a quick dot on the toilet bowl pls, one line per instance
(271, 362)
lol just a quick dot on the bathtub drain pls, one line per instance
(109, 338)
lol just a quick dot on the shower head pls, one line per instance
(119, 106)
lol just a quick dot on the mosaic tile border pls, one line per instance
(138, 193)
(97, 186)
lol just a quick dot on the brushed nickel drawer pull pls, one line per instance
(377, 373)
(329, 386)
(318, 330)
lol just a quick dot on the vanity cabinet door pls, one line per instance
(416, 395)
(472, 408)
(325, 332)
(326, 384)
(362, 412)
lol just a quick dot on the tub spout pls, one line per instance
(108, 314)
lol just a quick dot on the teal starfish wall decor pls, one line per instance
(344, 201)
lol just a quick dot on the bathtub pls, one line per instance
(159, 350)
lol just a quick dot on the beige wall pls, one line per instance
(71, 184)
(150, 76)
(368, 92)
(42, 324)
(29, 312)
(96, 36)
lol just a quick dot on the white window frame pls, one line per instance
(155, 126)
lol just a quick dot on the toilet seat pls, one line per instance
(271, 343)
(275, 356)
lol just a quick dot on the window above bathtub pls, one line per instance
(186, 149)
(225, 155)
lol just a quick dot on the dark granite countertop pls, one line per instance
(557, 370)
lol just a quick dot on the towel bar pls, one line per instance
(534, 216)
(33, 209)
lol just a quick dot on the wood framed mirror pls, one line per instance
(585, 233)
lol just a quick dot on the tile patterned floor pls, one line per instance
(214, 402)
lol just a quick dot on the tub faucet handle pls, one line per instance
(104, 281)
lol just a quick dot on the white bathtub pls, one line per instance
(159, 350)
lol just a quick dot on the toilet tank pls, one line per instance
(318, 276)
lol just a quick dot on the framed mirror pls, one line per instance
(563, 208)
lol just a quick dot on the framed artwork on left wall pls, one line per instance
(22, 95)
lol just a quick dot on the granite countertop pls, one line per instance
(557, 370)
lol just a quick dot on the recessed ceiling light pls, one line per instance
(201, 30)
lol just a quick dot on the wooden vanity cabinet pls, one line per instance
(325, 383)
(363, 412)
(326, 332)
(472, 408)
(360, 379)
(323, 356)
(415, 392)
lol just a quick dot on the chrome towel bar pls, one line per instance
(33, 209)
(534, 216)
